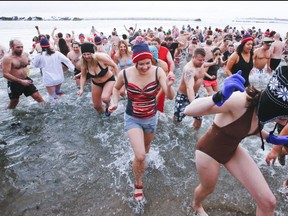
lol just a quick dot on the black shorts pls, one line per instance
(76, 71)
(15, 89)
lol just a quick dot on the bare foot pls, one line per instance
(197, 123)
(199, 210)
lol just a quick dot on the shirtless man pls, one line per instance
(194, 43)
(75, 56)
(224, 45)
(277, 48)
(183, 39)
(208, 47)
(191, 80)
(261, 58)
(14, 68)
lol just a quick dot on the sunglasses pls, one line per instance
(217, 54)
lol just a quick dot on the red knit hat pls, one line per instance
(141, 51)
(44, 43)
(97, 40)
(81, 35)
(246, 38)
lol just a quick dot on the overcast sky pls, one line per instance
(173, 9)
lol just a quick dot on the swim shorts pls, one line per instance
(16, 89)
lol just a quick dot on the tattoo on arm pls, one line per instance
(188, 74)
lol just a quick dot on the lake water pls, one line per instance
(65, 159)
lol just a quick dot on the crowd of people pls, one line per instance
(141, 67)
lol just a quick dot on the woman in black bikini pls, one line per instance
(96, 66)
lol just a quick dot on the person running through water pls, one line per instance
(14, 68)
(239, 113)
(142, 81)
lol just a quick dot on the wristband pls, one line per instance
(218, 97)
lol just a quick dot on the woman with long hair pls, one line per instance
(242, 59)
(123, 58)
(96, 66)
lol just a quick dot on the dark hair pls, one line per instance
(124, 36)
(60, 35)
(35, 38)
(208, 42)
(240, 49)
(169, 38)
(48, 50)
(157, 39)
(47, 36)
(215, 49)
(272, 33)
(63, 47)
(76, 42)
(199, 51)
(254, 96)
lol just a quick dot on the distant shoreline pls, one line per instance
(53, 18)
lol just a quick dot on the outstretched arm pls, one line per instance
(274, 152)
(38, 31)
(116, 92)
(53, 32)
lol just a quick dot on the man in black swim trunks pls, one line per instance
(14, 68)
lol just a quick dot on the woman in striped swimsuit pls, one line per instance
(142, 82)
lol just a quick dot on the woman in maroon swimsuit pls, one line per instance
(239, 114)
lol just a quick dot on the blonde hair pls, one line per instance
(93, 62)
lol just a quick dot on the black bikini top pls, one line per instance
(102, 72)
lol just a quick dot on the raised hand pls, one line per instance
(231, 84)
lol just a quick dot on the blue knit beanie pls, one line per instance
(97, 40)
(141, 51)
(44, 43)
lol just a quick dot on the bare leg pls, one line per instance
(51, 91)
(209, 90)
(215, 89)
(96, 98)
(107, 93)
(139, 141)
(285, 183)
(13, 103)
(36, 96)
(252, 179)
(208, 170)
